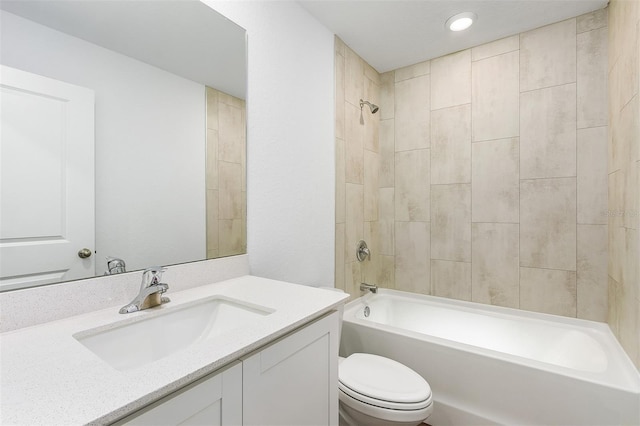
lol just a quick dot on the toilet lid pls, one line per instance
(383, 379)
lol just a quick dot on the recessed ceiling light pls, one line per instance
(461, 21)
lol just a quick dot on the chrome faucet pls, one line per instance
(151, 290)
(370, 287)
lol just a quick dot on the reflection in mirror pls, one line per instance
(165, 83)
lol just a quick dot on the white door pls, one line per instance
(46, 180)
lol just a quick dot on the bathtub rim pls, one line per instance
(625, 378)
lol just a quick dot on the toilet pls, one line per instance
(376, 391)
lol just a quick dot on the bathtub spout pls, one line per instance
(371, 287)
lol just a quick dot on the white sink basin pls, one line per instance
(148, 339)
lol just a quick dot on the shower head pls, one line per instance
(374, 108)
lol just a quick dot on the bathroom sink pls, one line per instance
(158, 334)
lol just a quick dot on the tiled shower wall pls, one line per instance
(492, 174)
(357, 163)
(226, 175)
(624, 175)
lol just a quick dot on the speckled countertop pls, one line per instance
(48, 378)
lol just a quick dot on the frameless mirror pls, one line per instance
(124, 120)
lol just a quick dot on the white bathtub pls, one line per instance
(493, 365)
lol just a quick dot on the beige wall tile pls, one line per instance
(212, 220)
(451, 80)
(496, 97)
(632, 197)
(548, 56)
(592, 299)
(339, 96)
(451, 145)
(371, 187)
(591, 21)
(386, 272)
(624, 135)
(339, 45)
(548, 223)
(231, 242)
(212, 108)
(416, 70)
(370, 266)
(371, 121)
(627, 70)
(230, 134)
(592, 175)
(616, 258)
(495, 267)
(592, 78)
(211, 169)
(339, 256)
(631, 272)
(387, 95)
(352, 279)
(354, 145)
(225, 174)
(224, 98)
(354, 78)
(616, 201)
(629, 131)
(412, 113)
(371, 74)
(451, 220)
(628, 313)
(341, 197)
(230, 192)
(354, 230)
(387, 154)
(615, 144)
(495, 181)
(495, 48)
(548, 291)
(612, 312)
(548, 132)
(412, 257)
(412, 185)
(386, 220)
(451, 279)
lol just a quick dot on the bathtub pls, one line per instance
(494, 365)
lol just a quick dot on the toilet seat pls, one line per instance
(383, 383)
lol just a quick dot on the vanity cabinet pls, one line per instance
(291, 381)
(294, 381)
(215, 399)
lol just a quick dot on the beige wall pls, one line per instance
(357, 165)
(492, 174)
(226, 175)
(624, 175)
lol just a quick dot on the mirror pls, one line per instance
(169, 86)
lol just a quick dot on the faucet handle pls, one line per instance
(152, 275)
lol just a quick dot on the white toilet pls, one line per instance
(375, 390)
(378, 391)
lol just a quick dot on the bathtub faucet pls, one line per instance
(371, 287)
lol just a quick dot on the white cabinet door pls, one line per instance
(46, 180)
(212, 400)
(294, 381)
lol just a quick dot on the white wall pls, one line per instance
(290, 153)
(150, 194)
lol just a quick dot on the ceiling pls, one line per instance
(391, 34)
